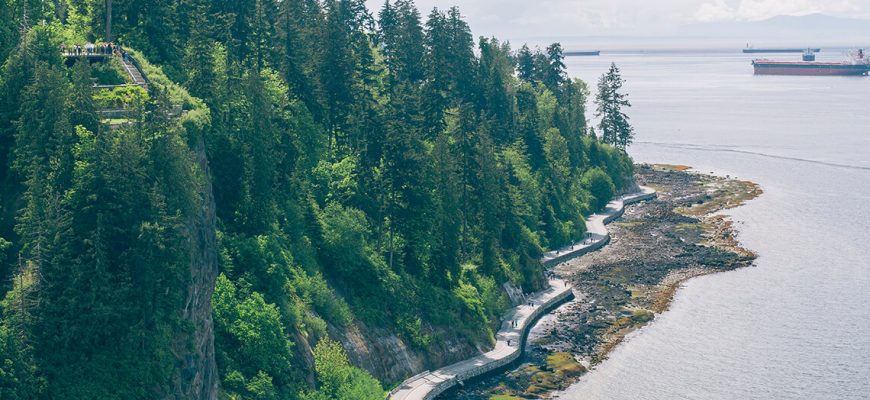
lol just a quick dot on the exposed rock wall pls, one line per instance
(197, 376)
(390, 359)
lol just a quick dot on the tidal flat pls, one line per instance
(655, 247)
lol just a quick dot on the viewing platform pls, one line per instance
(511, 338)
(130, 65)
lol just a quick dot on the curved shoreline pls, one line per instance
(510, 340)
(635, 279)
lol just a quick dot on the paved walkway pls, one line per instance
(517, 323)
(596, 232)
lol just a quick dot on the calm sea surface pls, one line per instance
(797, 326)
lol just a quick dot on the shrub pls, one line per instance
(337, 379)
(122, 97)
(599, 184)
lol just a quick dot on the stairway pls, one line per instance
(134, 72)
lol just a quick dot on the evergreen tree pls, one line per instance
(447, 215)
(406, 175)
(496, 96)
(614, 127)
(401, 38)
(82, 110)
(460, 59)
(261, 42)
(199, 58)
(570, 118)
(437, 88)
(525, 61)
(300, 28)
(553, 74)
(450, 66)
(8, 33)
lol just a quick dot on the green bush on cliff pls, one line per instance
(251, 341)
(600, 186)
(337, 379)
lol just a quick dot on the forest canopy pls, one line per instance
(340, 168)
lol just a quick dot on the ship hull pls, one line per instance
(811, 69)
(582, 53)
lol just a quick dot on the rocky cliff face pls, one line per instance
(390, 359)
(196, 376)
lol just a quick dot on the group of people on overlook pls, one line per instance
(104, 48)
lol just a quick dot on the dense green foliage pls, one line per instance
(338, 379)
(100, 215)
(379, 170)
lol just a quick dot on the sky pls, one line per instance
(525, 19)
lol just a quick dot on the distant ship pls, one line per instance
(750, 50)
(582, 53)
(857, 65)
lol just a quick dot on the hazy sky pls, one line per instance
(518, 19)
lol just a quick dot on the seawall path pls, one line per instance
(511, 338)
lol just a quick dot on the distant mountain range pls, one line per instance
(813, 28)
(816, 30)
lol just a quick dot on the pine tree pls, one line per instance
(614, 127)
(553, 74)
(488, 186)
(400, 36)
(450, 66)
(406, 172)
(261, 42)
(8, 32)
(300, 23)
(82, 110)
(447, 214)
(436, 89)
(570, 118)
(199, 58)
(496, 97)
(460, 59)
(525, 61)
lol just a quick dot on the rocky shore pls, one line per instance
(655, 247)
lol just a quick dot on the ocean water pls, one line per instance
(796, 326)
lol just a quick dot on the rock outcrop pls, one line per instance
(391, 359)
(196, 376)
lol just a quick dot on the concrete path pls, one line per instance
(596, 232)
(511, 338)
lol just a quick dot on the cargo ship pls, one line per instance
(750, 50)
(857, 65)
(582, 53)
